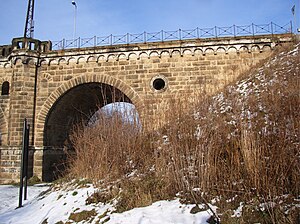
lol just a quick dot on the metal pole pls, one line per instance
(75, 15)
(26, 151)
(22, 165)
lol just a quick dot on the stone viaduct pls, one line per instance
(54, 89)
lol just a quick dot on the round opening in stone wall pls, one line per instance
(159, 84)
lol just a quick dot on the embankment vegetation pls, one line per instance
(239, 147)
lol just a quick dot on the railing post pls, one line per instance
(111, 39)
(179, 34)
(145, 37)
(127, 38)
(162, 35)
(95, 41)
(234, 31)
(216, 32)
(198, 33)
(26, 156)
(64, 44)
(79, 42)
(24, 163)
(272, 28)
(252, 29)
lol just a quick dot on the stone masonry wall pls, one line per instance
(184, 66)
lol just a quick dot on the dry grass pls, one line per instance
(203, 153)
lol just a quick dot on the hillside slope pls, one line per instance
(259, 96)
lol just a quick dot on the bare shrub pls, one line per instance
(107, 149)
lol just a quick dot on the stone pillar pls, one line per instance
(21, 98)
(24, 57)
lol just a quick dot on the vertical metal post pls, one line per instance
(216, 32)
(179, 32)
(75, 15)
(272, 31)
(26, 155)
(234, 31)
(22, 163)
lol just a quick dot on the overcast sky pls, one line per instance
(54, 19)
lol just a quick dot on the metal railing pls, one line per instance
(161, 36)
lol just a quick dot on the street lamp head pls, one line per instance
(73, 3)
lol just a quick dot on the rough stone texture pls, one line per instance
(62, 80)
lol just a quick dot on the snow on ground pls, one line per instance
(9, 196)
(54, 205)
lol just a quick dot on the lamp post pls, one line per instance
(75, 15)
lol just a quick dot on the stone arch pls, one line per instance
(7, 65)
(188, 52)
(221, 50)
(165, 53)
(62, 61)
(5, 88)
(46, 76)
(244, 49)
(44, 62)
(30, 61)
(101, 58)
(267, 47)
(255, 48)
(91, 59)
(5, 78)
(71, 60)
(209, 50)
(84, 79)
(198, 51)
(132, 56)
(122, 56)
(143, 55)
(17, 60)
(176, 52)
(154, 54)
(80, 59)
(111, 57)
(52, 113)
(53, 62)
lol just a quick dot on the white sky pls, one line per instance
(54, 19)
